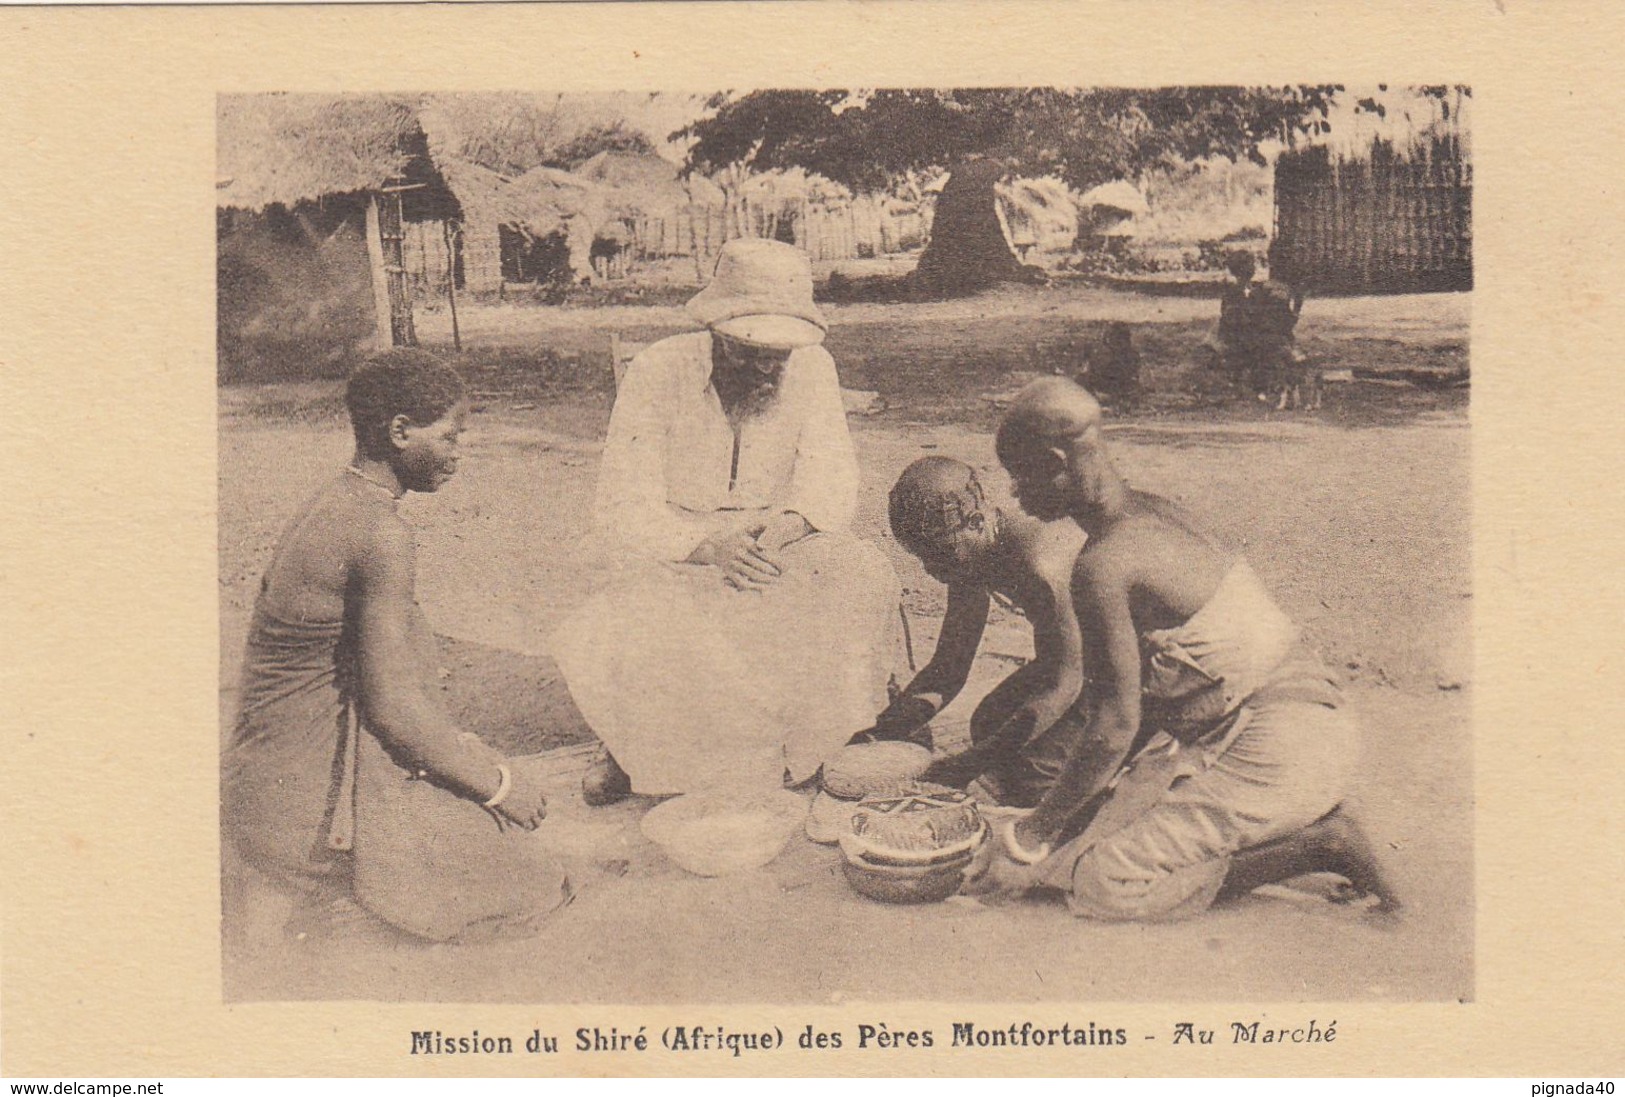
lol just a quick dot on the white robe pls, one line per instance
(692, 684)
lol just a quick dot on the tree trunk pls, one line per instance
(968, 251)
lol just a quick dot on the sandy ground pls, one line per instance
(1357, 516)
(1363, 532)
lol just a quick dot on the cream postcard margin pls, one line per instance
(110, 926)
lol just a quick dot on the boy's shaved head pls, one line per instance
(932, 499)
(1050, 410)
(1048, 439)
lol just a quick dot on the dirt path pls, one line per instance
(1432, 316)
(1364, 534)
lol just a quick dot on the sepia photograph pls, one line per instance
(996, 544)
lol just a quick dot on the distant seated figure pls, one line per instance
(1113, 366)
(343, 777)
(743, 633)
(1254, 340)
(1021, 733)
(1227, 340)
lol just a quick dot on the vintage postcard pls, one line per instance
(800, 539)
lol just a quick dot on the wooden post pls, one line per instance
(400, 297)
(391, 236)
(694, 248)
(451, 286)
(380, 280)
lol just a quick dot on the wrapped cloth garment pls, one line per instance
(315, 801)
(692, 685)
(1246, 739)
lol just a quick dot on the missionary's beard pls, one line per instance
(746, 394)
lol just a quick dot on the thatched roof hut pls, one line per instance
(539, 202)
(286, 149)
(504, 214)
(1040, 217)
(638, 184)
(312, 191)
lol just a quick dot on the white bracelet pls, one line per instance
(504, 786)
(1019, 853)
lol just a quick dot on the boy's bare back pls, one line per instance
(1037, 571)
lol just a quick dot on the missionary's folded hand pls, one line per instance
(744, 564)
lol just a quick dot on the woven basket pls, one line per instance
(922, 818)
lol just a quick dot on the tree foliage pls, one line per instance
(512, 132)
(1444, 97)
(614, 136)
(868, 140)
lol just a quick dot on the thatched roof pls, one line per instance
(1119, 195)
(538, 202)
(637, 183)
(285, 148)
(1043, 212)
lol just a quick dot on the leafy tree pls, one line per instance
(512, 132)
(870, 140)
(614, 136)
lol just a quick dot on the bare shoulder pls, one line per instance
(382, 547)
(345, 527)
(1047, 551)
(1178, 522)
(1110, 557)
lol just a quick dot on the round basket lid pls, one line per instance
(867, 769)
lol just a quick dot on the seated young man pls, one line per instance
(741, 630)
(1229, 343)
(1021, 731)
(343, 775)
(1242, 743)
(1254, 339)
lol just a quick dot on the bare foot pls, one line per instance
(1341, 846)
(605, 782)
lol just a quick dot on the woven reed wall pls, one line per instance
(1388, 222)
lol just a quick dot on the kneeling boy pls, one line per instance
(1242, 744)
(1020, 732)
